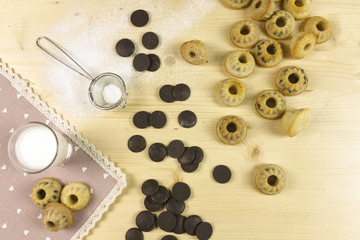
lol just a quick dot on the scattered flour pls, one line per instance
(91, 39)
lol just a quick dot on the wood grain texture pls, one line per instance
(322, 163)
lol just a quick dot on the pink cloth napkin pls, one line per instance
(19, 217)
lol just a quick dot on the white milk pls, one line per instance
(36, 147)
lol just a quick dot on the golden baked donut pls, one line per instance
(270, 104)
(280, 25)
(57, 216)
(300, 9)
(240, 63)
(46, 190)
(268, 53)
(291, 81)
(261, 9)
(245, 34)
(295, 120)
(75, 196)
(194, 52)
(230, 92)
(237, 4)
(302, 44)
(231, 130)
(270, 179)
(320, 26)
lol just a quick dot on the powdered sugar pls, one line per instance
(111, 94)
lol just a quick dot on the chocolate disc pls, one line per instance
(190, 168)
(187, 119)
(175, 206)
(149, 187)
(157, 119)
(136, 143)
(150, 40)
(191, 223)
(125, 47)
(154, 63)
(169, 237)
(176, 149)
(181, 92)
(165, 93)
(161, 196)
(141, 119)
(181, 191)
(179, 227)
(167, 221)
(199, 154)
(145, 221)
(139, 18)
(188, 157)
(157, 152)
(204, 231)
(222, 174)
(152, 206)
(141, 62)
(134, 234)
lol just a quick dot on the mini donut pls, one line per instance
(295, 120)
(261, 9)
(57, 217)
(302, 44)
(291, 81)
(237, 4)
(240, 63)
(230, 92)
(75, 196)
(270, 179)
(300, 9)
(245, 34)
(268, 53)
(231, 130)
(320, 26)
(46, 190)
(194, 52)
(270, 104)
(280, 25)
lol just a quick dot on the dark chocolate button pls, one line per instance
(199, 154)
(145, 221)
(181, 92)
(179, 227)
(157, 152)
(141, 62)
(176, 149)
(139, 18)
(154, 63)
(125, 47)
(149, 187)
(136, 143)
(175, 206)
(190, 224)
(187, 119)
(152, 206)
(167, 221)
(190, 168)
(165, 93)
(169, 237)
(222, 174)
(181, 191)
(141, 119)
(134, 234)
(150, 40)
(188, 157)
(204, 231)
(157, 119)
(161, 196)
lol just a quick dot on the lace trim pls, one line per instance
(22, 86)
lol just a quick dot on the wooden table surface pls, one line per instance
(322, 199)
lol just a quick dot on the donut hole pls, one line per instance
(243, 59)
(73, 199)
(258, 4)
(50, 224)
(245, 30)
(41, 194)
(271, 49)
(233, 90)
(320, 26)
(307, 47)
(272, 180)
(299, 3)
(192, 54)
(231, 127)
(271, 102)
(293, 78)
(281, 22)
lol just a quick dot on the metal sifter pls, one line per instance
(105, 83)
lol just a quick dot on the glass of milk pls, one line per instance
(34, 147)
